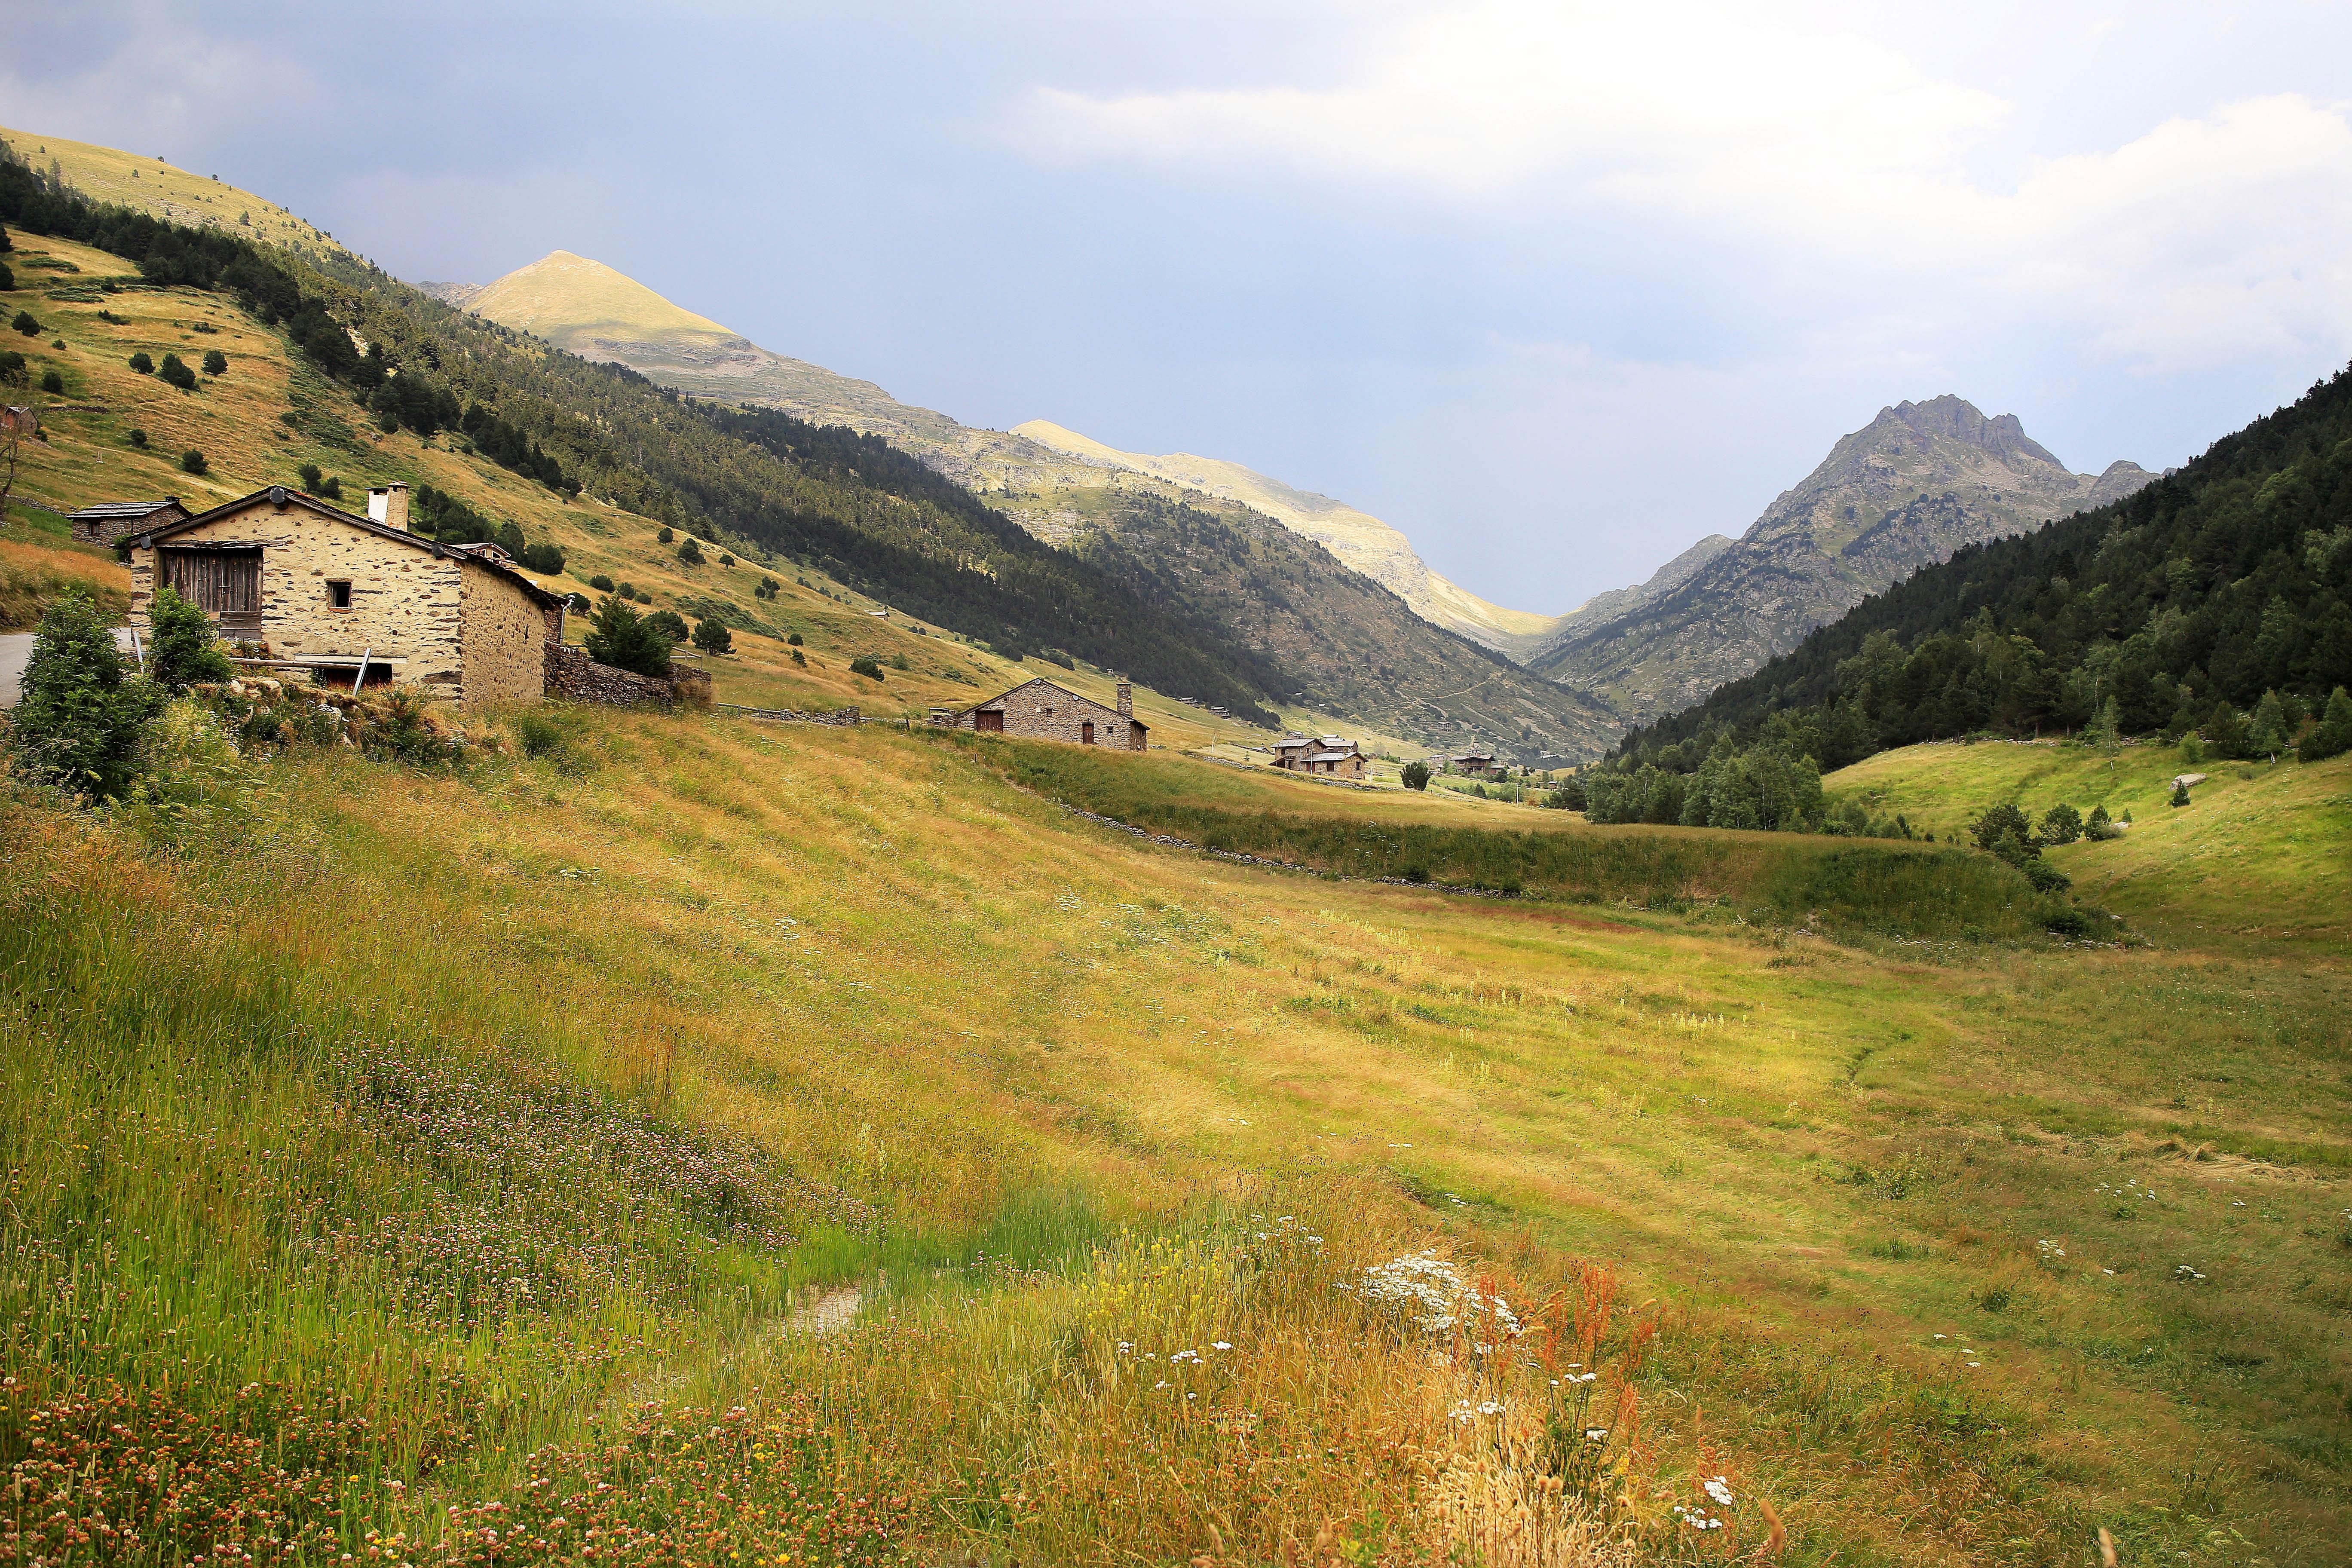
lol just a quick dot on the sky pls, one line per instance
(1557, 288)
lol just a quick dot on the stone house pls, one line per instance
(109, 520)
(1324, 756)
(1480, 764)
(353, 598)
(1040, 711)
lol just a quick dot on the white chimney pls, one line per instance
(388, 504)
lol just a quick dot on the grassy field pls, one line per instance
(2265, 850)
(488, 1108)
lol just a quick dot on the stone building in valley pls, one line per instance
(353, 598)
(1041, 710)
(109, 520)
(1322, 756)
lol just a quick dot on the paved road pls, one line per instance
(15, 648)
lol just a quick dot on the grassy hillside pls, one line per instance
(2263, 849)
(486, 1109)
(154, 186)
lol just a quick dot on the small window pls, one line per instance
(338, 595)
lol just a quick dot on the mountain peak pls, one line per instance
(572, 294)
(1954, 418)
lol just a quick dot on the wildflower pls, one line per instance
(1596, 1434)
(1719, 1490)
(1222, 1345)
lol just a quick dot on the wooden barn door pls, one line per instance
(988, 722)
(226, 581)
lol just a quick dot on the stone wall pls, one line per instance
(1041, 710)
(502, 630)
(406, 601)
(569, 672)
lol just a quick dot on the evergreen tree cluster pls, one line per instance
(865, 512)
(2221, 593)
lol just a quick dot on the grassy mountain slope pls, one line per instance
(1338, 641)
(1362, 541)
(888, 526)
(2226, 579)
(155, 187)
(731, 1029)
(1917, 483)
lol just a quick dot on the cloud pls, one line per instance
(1816, 155)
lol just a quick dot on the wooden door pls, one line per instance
(227, 583)
(988, 722)
(1087, 733)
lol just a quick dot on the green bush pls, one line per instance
(142, 363)
(184, 651)
(215, 363)
(311, 477)
(864, 665)
(175, 372)
(601, 582)
(83, 715)
(193, 462)
(691, 553)
(618, 637)
(25, 324)
(138, 437)
(793, 640)
(2062, 825)
(546, 560)
(52, 383)
(1416, 776)
(665, 536)
(2098, 828)
(668, 623)
(713, 636)
(8, 278)
(540, 736)
(2332, 736)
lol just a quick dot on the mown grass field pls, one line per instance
(491, 1107)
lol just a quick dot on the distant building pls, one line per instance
(109, 520)
(1323, 756)
(353, 598)
(1480, 764)
(1041, 710)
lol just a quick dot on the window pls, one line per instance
(338, 595)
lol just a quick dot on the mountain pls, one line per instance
(2224, 586)
(1361, 541)
(1920, 481)
(153, 186)
(1334, 600)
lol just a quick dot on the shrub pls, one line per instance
(2062, 825)
(2046, 878)
(1416, 776)
(864, 665)
(2332, 736)
(84, 713)
(691, 553)
(544, 559)
(25, 324)
(538, 736)
(333, 489)
(2098, 829)
(13, 371)
(768, 588)
(793, 640)
(51, 381)
(800, 658)
(601, 582)
(215, 363)
(142, 363)
(2064, 920)
(725, 559)
(138, 436)
(2004, 831)
(898, 661)
(175, 372)
(311, 477)
(668, 623)
(665, 536)
(8, 278)
(619, 638)
(2267, 732)
(183, 650)
(193, 462)
(713, 636)
(2180, 792)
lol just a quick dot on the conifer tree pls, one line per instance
(2266, 733)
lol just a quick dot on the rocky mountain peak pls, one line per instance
(1955, 418)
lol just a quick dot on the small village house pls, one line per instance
(1320, 756)
(1040, 711)
(1480, 764)
(353, 599)
(109, 520)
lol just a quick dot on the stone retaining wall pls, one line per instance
(572, 673)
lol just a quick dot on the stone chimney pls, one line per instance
(388, 504)
(1125, 698)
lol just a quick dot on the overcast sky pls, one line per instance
(1557, 288)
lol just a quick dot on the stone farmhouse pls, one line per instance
(1322, 756)
(1041, 710)
(109, 520)
(354, 599)
(1480, 764)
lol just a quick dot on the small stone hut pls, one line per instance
(1040, 711)
(353, 598)
(1323, 756)
(109, 520)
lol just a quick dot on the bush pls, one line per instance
(665, 536)
(184, 651)
(175, 372)
(2098, 828)
(1416, 776)
(898, 661)
(2179, 792)
(691, 553)
(2065, 920)
(538, 736)
(2062, 825)
(619, 638)
(713, 636)
(13, 371)
(800, 658)
(601, 582)
(793, 640)
(768, 588)
(2046, 878)
(864, 665)
(215, 363)
(8, 278)
(544, 559)
(51, 381)
(2004, 831)
(25, 324)
(311, 477)
(142, 363)
(138, 437)
(668, 623)
(333, 489)
(84, 713)
(193, 462)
